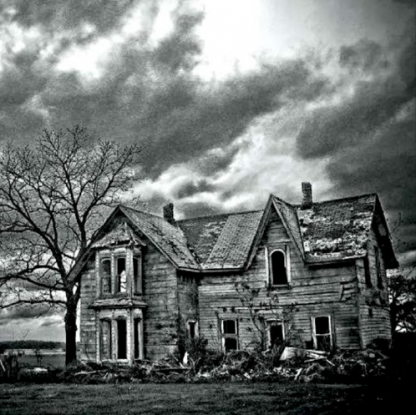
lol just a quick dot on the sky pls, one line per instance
(231, 100)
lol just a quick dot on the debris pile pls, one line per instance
(292, 365)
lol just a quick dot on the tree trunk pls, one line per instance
(71, 333)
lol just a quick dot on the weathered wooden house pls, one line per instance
(318, 270)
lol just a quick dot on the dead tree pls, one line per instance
(53, 194)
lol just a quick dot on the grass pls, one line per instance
(226, 398)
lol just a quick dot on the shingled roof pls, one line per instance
(329, 231)
(222, 241)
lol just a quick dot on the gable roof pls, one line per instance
(337, 229)
(222, 241)
(330, 231)
(167, 237)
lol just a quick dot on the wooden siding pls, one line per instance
(312, 292)
(374, 311)
(160, 316)
(87, 315)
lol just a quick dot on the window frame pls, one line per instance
(110, 350)
(377, 264)
(137, 279)
(234, 336)
(315, 335)
(274, 322)
(188, 328)
(102, 259)
(286, 255)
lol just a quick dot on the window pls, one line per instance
(367, 273)
(106, 275)
(322, 334)
(276, 333)
(279, 271)
(378, 267)
(105, 338)
(121, 339)
(192, 328)
(229, 329)
(136, 338)
(137, 275)
(121, 274)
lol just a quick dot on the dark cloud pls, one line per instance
(364, 55)
(27, 312)
(193, 187)
(369, 138)
(198, 209)
(56, 15)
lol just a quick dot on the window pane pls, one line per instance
(121, 339)
(106, 276)
(322, 325)
(137, 276)
(191, 327)
(276, 334)
(229, 327)
(105, 339)
(279, 275)
(323, 342)
(230, 344)
(121, 275)
(136, 338)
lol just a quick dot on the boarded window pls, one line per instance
(105, 338)
(378, 267)
(276, 333)
(278, 268)
(230, 335)
(121, 275)
(137, 275)
(106, 276)
(322, 333)
(121, 339)
(367, 272)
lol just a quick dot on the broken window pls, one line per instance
(137, 275)
(378, 267)
(278, 268)
(276, 333)
(322, 333)
(121, 339)
(230, 335)
(192, 328)
(367, 272)
(106, 275)
(121, 274)
(106, 349)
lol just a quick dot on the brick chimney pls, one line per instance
(168, 213)
(307, 195)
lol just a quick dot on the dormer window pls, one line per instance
(137, 275)
(279, 267)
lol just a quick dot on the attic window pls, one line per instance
(378, 267)
(279, 269)
(367, 273)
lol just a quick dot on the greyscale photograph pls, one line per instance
(207, 206)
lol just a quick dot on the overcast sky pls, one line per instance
(231, 99)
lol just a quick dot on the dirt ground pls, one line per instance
(226, 398)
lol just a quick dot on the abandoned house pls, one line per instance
(317, 269)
